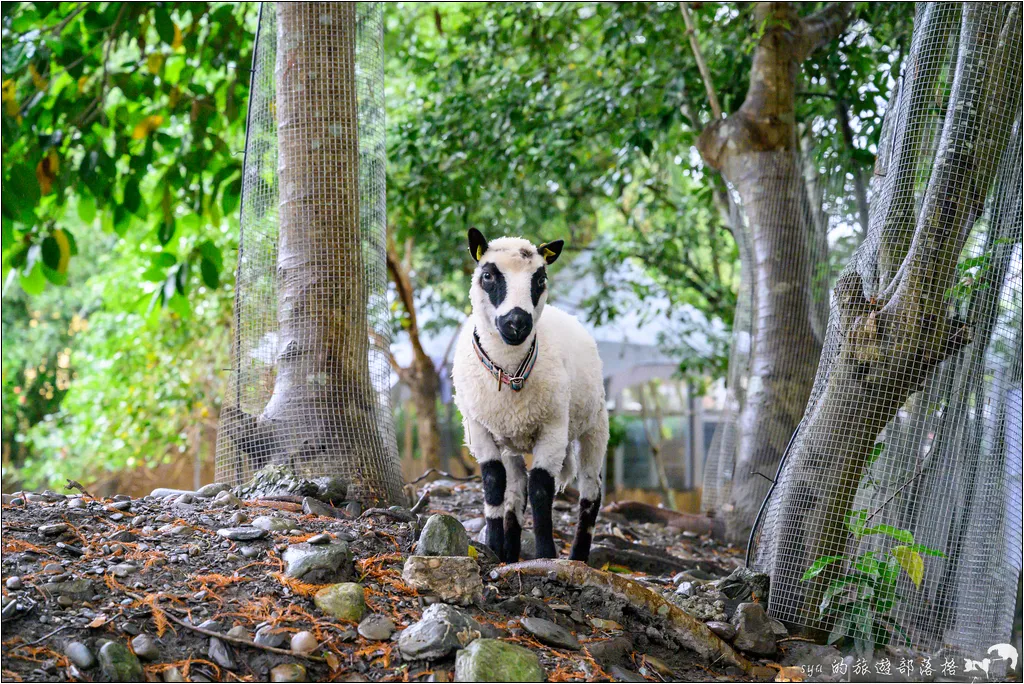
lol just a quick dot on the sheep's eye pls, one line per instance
(486, 277)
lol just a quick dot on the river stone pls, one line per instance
(243, 533)
(272, 523)
(722, 629)
(119, 664)
(80, 654)
(318, 563)
(288, 672)
(226, 500)
(221, 654)
(754, 632)
(377, 627)
(211, 490)
(441, 630)
(343, 601)
(304, 642)
(454, 579)
(311, 506)
(53, 529)
(268, 636)
(490, 660)
(76, 589)
(443, 535)
(549, 633)
(145, 647)
(164, 492)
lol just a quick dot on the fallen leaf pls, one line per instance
(600, 623)
(790, 673)
(98, 621)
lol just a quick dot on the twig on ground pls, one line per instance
(44, 637)
(75, 484)
(444, 473)
(421, 505)
(401, 515)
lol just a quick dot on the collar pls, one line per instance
(516, 381)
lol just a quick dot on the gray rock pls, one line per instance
(226, 500)
(754, 632)
(377, 627)
(442, 535)
(322, 538)
(311, 506)
(52, 530)
(250, 551)
(173, 674)
(318, 564)
(288, 672)
(211, 490)
(80, 654)
(267, 636)
(441, 630)
(80, 589)
(490, 660)
(343, 601)
(242, 533)
(237, 519)
(76, 503)
(779, 629)
(332, 489)
(353, 509)
(186, 499)
(276, 480)
(609, 652)
(549, 633)
(722, 629)
(14, 583)
(146, 647)
(624, 674)
(221, 654)
(272, 523)
(124, 569)
(239, 632)
(453, 579)
(474, 525)
(164, 492)
(119, 664)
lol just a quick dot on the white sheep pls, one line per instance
(527, 383)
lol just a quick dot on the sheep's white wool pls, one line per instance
(559, 416)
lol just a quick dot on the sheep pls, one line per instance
(527, 383)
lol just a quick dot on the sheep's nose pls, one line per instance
(515, 326)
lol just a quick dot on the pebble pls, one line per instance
(239, 632)
(173, 674)
(267, 636)
(442, 535)
(119, 664)
(211, 490)
(311, 506)
(242, 533)
(549, 633)
(76, 503)
(221, 654)
(437, 633)
(288, 672)
(304, 642)
(52, 530)
(65, 601)
(237, 519)
(124, 569)
(53, 569)
(722, 629)
(17, 501)
(250, 551)
(376, 627)
(353, 509)
(120, 505)
(138, 521)
(146, 647)
(343, 601)
(14, 583)
(163, 493)
(80, 654)
(226, 500)
(272, 523)
(322, 538)
(318, 564)
(185, 499)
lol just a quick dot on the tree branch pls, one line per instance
(705, 74)
(826, 24)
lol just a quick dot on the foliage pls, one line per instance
(861, 599)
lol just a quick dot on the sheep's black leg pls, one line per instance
(493, 476)
(513, 537)
(585, 530)
(542, 494)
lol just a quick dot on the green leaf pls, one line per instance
(856, 520)
(86, 208)
(164, 25)
(876, 451)
(132, 197)
(911, 562)
(820, 564)
(896, 533)
(34, 282)
(210, 273)
(926, 550)
(165, 231)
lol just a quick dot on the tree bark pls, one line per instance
(324, 408)
(889, 348)
(756, 150)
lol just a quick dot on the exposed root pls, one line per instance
(687, 630)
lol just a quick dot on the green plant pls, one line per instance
(860, 600)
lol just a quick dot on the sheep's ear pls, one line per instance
(551, 250)
(477, 244)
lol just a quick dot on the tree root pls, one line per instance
(637, 511)
(687, 630)
(444, 474)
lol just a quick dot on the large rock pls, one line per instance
(453, 579)
(490, 660)
(211, 490)
(318, 563)
(119, 664)
(442, 630)
(344, 601)
(78, 589)
(443, 535)
(547, 632)
(754, 632)
(311, 506)
(273, 523)
(376, 627)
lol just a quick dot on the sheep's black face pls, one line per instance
(510, 285)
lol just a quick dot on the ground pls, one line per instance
(79, 569)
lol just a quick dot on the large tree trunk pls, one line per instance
(888, 347)
(756, 151)
(324, 407)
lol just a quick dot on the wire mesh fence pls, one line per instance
(310, 379)
(896, 517)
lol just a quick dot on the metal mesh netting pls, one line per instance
(309, 386)
(896, 517)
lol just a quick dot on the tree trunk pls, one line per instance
(756, 151)
(887, 349)
(324, 407)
